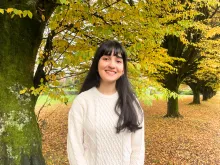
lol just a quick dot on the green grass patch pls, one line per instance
(185, 92)
(44, 98)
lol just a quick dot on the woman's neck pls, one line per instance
(107, 88)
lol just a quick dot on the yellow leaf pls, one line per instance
(23, 91)
(30, 15)
(9, 10)
(19, 13)
(43, 17)
(2, 11)
(25, 12)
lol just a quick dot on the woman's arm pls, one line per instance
(138, 146)
(75, 148)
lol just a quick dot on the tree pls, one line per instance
(185, 43)
(20, 138)
(206, 79)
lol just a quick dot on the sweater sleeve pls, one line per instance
(75, 147)
(138, 147)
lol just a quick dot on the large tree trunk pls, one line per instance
(172, 104)
(172, 108)
(196, 92)
(20, 137)
(206, 93)
(204, 96)
(196, 97)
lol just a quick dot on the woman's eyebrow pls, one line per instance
(118, 55)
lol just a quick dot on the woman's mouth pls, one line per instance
(110, 72)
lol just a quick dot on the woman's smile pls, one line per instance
(110, 72)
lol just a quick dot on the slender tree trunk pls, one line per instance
(20, 137)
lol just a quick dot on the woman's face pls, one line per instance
(110, 68)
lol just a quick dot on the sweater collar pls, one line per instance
(96, 91)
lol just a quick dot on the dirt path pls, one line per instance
(194, 139)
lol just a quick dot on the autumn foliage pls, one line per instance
(167, 41)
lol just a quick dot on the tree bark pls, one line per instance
(196, 92)
(172, 84)
(196, 96)
(20, 137)
(207, 93)
(204, 96)
(173, 108)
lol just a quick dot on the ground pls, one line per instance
(193, 139)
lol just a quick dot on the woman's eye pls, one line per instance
(105, 58)
(119, 61)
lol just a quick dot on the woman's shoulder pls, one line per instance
(89, 94)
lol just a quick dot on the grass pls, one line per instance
(44, 98)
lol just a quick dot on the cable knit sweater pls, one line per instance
(92, 137)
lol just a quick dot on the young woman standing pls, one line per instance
(106, 124)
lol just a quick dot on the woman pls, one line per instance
(105, 125)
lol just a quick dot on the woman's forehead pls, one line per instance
(113, 52)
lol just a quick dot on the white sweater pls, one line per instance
(92, 138)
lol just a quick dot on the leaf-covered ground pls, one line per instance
(194, 139)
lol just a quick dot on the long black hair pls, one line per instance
(127, 107)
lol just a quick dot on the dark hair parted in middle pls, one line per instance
(126, 103)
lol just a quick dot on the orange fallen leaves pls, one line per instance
(194, 139)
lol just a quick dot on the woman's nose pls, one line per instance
(112, 64)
